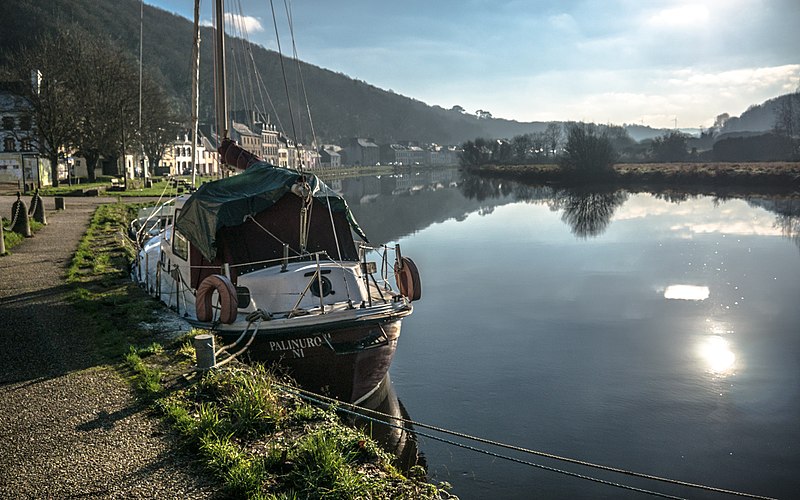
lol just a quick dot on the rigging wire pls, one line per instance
(301, 81)
(283, 73)
(361, 410)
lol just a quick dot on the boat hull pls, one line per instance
(345, 361)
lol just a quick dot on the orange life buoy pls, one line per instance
(228, 301)
(407, 276)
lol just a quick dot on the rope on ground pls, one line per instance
(360, 412)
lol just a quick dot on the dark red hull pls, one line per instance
(347, 362)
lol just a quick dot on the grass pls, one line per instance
(12, 239)
(264, 442)
(111, 305)
(257, 439)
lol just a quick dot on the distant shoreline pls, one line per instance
(779, 177)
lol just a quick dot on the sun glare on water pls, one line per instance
(686, 292)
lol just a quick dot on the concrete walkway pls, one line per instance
(71, 428)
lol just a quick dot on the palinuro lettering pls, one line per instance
(292, 344)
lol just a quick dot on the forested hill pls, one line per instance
(340, 106)
(759, 117)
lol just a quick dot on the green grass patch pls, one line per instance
(11, 238)
(264, 442)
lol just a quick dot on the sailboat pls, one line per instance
(267, 260)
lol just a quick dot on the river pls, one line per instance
(653, 333)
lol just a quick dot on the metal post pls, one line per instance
(205, 351)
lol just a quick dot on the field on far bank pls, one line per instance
(782, 175)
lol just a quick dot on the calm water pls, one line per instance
(622, 329)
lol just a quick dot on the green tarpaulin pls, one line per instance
(227, 203)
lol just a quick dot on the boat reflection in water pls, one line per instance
(394, 436)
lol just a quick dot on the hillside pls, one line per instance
(758, 117)
(341, 106)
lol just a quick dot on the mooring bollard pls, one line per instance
(19, 218)
(37, 208)
(60, 203)
(204, 350)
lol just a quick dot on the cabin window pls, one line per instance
(180, 246)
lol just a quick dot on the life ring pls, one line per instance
(407, 276)
(228, 301)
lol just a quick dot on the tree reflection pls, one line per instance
(588, 213)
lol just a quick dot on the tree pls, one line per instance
(159, 122)
(476, 153)
(458, 109)
(787, 121)
(552, 138)
(109, 100)
(670, 147)
(50, 94)
(483, 114)
(587, 150)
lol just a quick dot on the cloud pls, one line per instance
(237, 23)
(689, 16)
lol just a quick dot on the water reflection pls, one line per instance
(717, 354)
(587, 213)
(686, 292)
(397, 438)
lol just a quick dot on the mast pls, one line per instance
(195, 90)
(220, 91)
(141, 52)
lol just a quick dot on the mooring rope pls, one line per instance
(358, 410)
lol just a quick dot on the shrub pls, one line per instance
(587, 151)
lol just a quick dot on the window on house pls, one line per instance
(8, 123)
(9, 144)
(25, 122)
(25, 145)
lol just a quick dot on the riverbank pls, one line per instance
(85, 419)
(705, 178)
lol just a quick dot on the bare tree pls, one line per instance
(552, 138)
(50, 94)
(104, 83)
(159, 122)
(787, 121)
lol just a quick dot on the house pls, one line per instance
(403, 154)
(269, 141)
(309, 157)
(246, 138)
(177, 158)
(20, 162)
(442, 156)
(329, 156)
(361, 151)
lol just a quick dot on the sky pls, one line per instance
(662, 63)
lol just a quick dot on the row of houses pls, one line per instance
(365, 152)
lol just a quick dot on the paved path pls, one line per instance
(68, 426)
